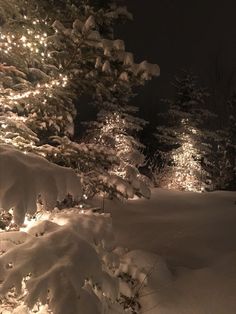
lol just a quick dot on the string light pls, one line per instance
(34, 42)
(186, 171)
(122, 144)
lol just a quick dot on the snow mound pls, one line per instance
(25, 176)
(146, 267)
(60, 266)
(54, 262)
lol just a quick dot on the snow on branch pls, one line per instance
(25, 176)
(63, 265)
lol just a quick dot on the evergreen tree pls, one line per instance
(227, 149)
(51, 53)
(117, 127)
(49, 58)
(117, 130)
(232, 140)
(184, 141)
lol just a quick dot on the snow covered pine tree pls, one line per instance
(47, 65)
(117, 125)
(184, 142)
(58, 261)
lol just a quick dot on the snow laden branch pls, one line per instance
(24, 177)
(61, 264)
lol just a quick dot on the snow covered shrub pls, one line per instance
(64, 262)
(146, 274)
(59, 261)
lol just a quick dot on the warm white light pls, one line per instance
(186, 171)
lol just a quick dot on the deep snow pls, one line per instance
(184, 242)
(196, 235)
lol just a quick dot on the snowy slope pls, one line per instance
(188, 228)
(196, 235)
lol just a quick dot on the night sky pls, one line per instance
(198, 35)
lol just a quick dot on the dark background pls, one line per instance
(197, 35)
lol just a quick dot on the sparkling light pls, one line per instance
(186, 172)
(30, 43)
(122, 144)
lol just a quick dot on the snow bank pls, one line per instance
(195, 236)
(146, 267)
(188, 229)
(194, 291)
(25, 176)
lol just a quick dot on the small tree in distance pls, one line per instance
(184, 141)
(227, 149)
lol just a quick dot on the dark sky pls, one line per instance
(193, 34)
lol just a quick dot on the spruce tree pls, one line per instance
(117, 128)
(118, 131)
(53, 52)
(232, 140)
(184, 140)
(227, 149)
(49, 58)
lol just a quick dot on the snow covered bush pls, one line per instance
(59, 261)
(63, 261)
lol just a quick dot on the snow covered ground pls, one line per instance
(196, 236)
(181, 246)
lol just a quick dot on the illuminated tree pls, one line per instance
(117, 126)
(118, 131)
(49, 58)
(51, 53)
(184, 142)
